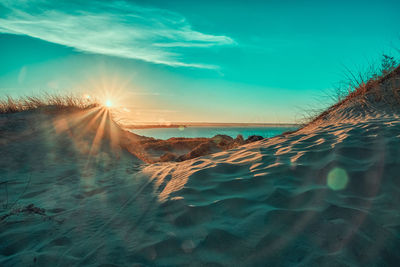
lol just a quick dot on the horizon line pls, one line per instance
(203, 124)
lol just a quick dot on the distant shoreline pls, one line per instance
(206, 124)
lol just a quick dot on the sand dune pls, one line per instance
(325, 195)
(270, 203)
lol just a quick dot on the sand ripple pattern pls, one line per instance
(268, 203)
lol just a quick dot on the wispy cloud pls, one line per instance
(115, 28)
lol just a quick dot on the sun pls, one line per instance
(108, 103)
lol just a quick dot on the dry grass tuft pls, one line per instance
(55, 102)
(361, 87)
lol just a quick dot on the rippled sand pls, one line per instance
(326, 195)
(271, 203)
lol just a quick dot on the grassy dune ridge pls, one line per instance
(379, 89)
(57, 102)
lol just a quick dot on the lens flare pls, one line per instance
(337, 179)
(108, 103)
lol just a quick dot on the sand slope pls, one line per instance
(270, 203)
(326, 195)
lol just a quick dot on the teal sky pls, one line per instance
(203, 61)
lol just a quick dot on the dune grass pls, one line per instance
(362, 84)
(55, 102)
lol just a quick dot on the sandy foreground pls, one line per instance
(326, 195)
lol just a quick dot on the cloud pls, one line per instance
(115, 28)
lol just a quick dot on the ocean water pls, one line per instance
(193, 132)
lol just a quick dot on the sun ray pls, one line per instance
(99, 133)
(113, 133)
(89, 125)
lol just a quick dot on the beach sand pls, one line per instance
(325, 195)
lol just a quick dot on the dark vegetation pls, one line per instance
(358, 83)
(8, 209)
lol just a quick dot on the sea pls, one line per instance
(203, 131)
